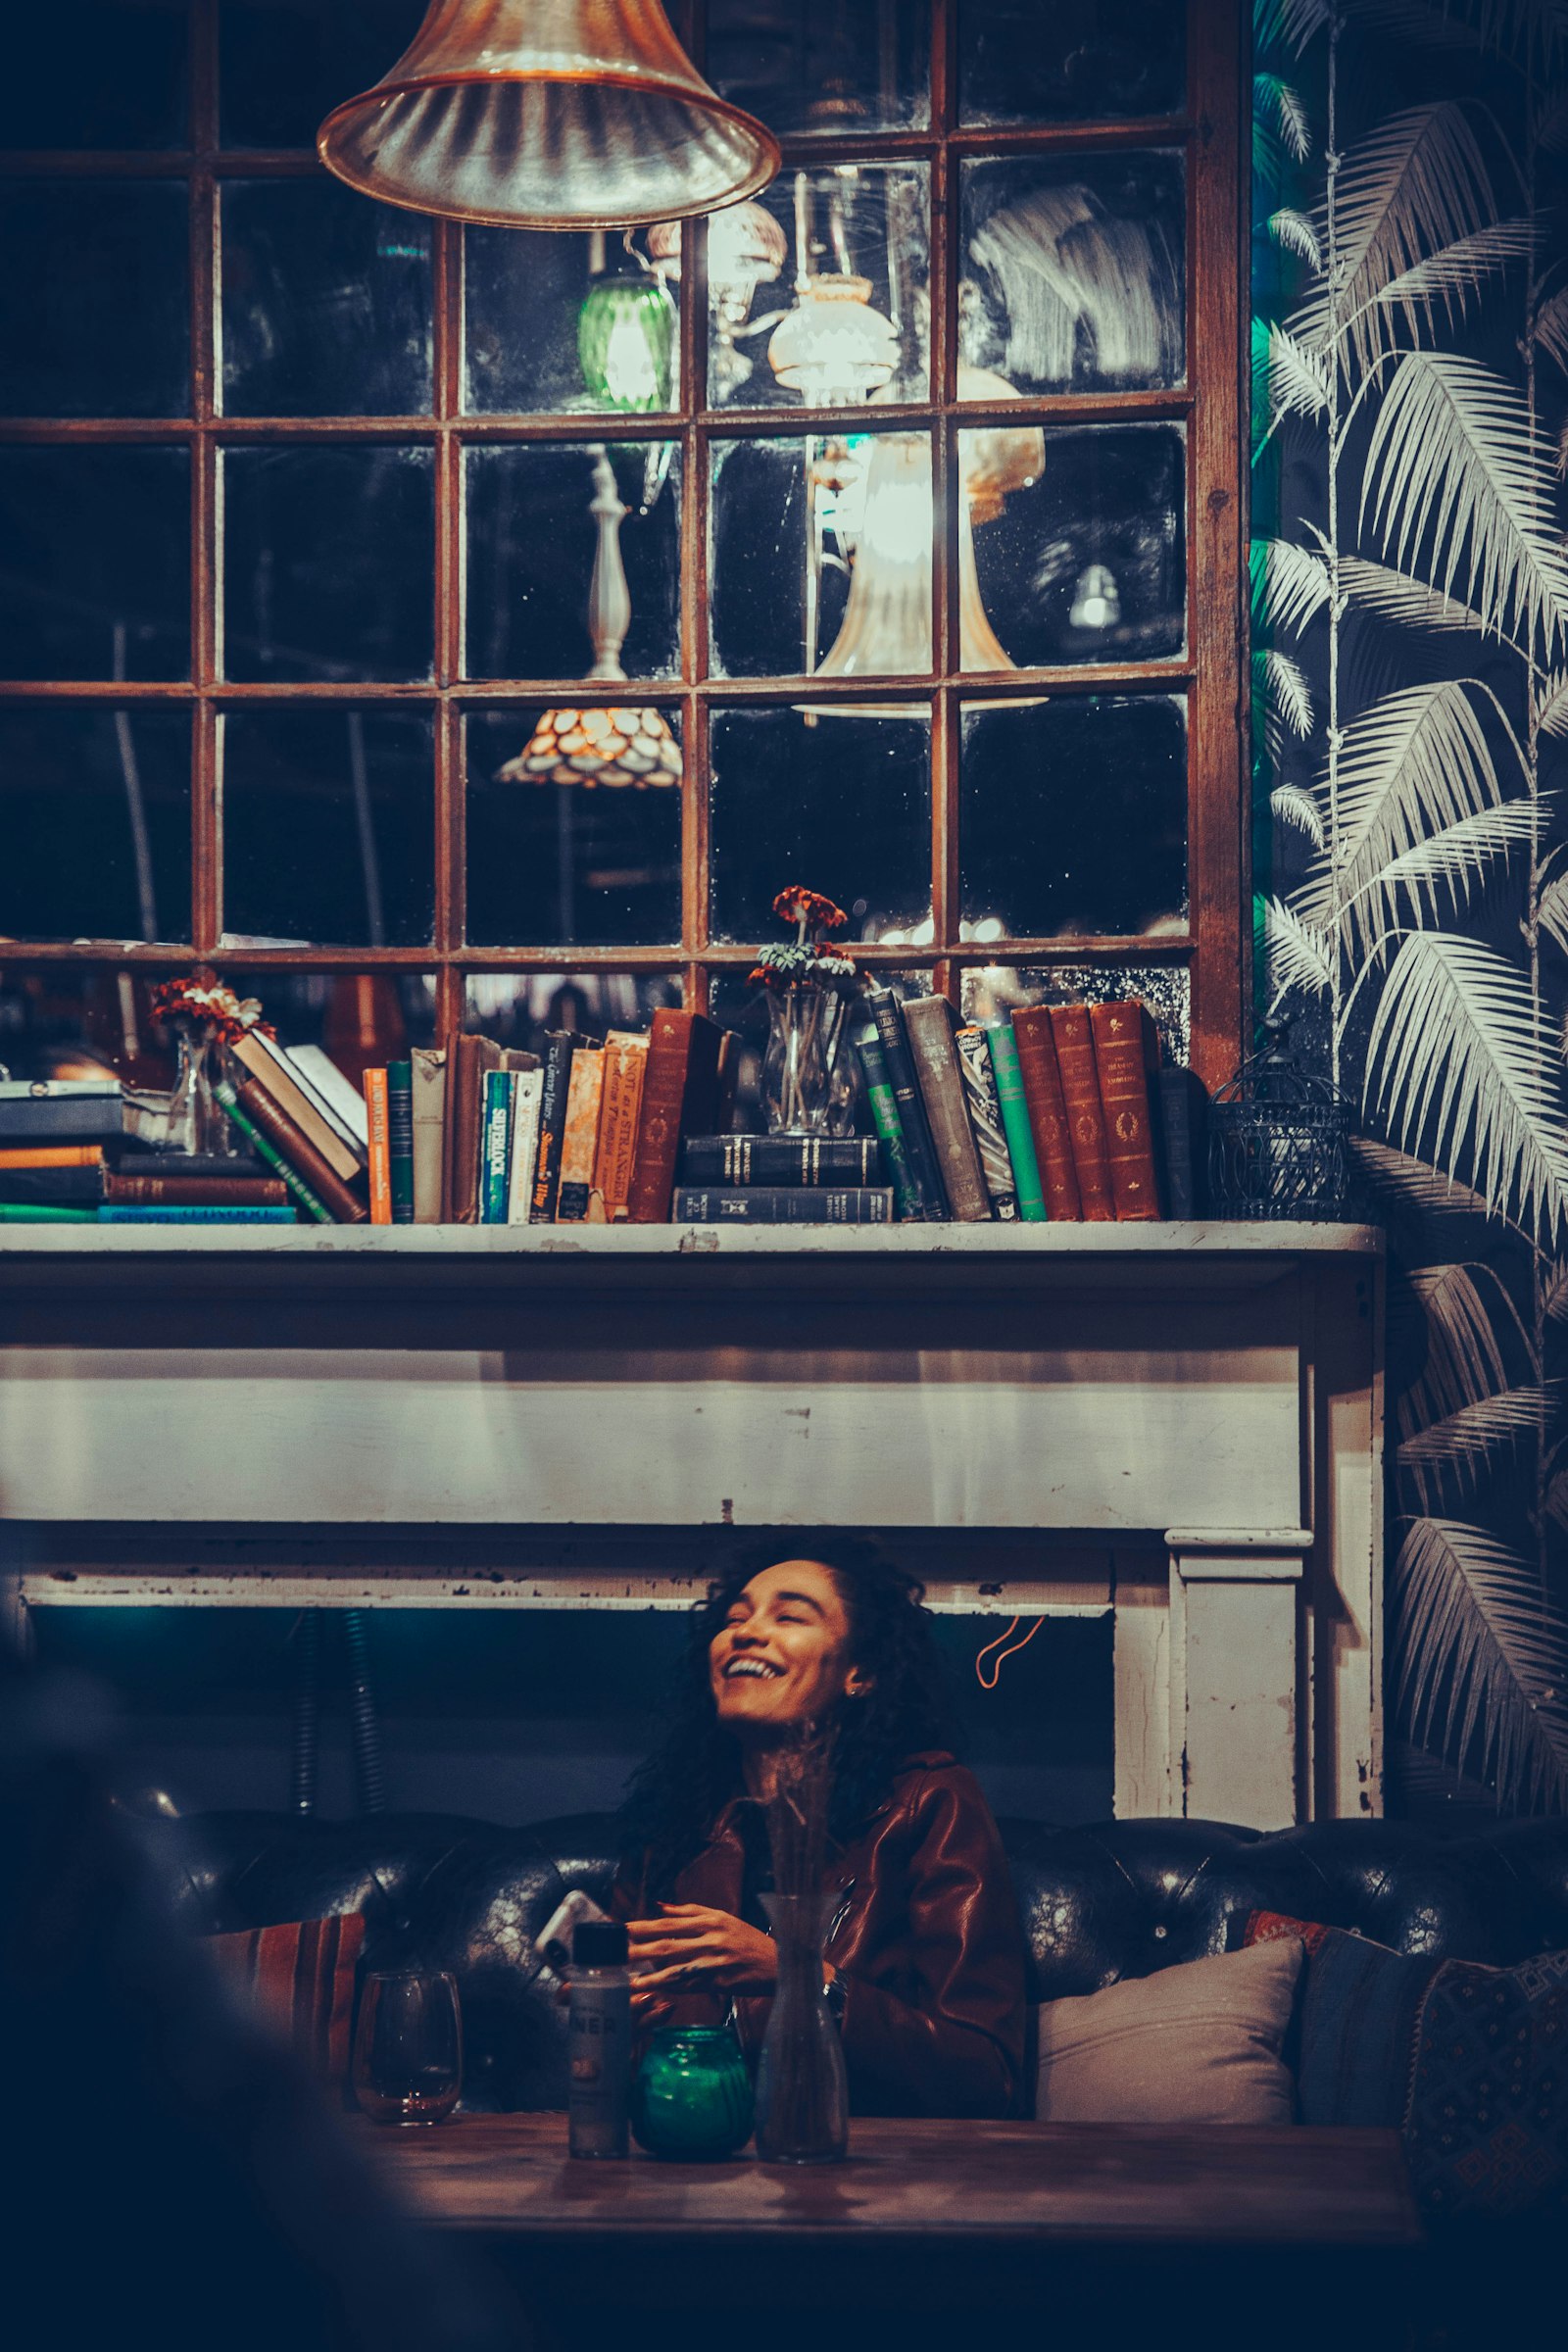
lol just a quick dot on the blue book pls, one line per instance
(121, 1214)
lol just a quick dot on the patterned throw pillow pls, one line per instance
(300, 1979)
(1470, 2062)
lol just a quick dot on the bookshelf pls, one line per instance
(471, 1417)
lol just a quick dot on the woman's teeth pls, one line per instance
(752, 1666)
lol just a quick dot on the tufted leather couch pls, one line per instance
(1117, 1899)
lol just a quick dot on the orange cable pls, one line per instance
(998, 1644)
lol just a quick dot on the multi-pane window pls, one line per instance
(922, 472)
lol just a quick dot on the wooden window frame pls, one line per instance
(1211, 673)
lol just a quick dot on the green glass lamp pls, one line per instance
(626, 343)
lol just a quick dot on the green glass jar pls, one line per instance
(692, 2096)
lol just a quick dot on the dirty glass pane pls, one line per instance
(838, 800)
(532, 541)
(820, 65)
(329, 561)
(95, 818)
(519, 1008)
(860, 235)
(596, 864)
(283, 65)
(1078, 540)
(94, 308)
(95, 578)
(99, 73)
(990, 992)
(1073, 816)
(326, 302)
(561, 322)
(1079, 61)
(328, 826)
(1073, 278)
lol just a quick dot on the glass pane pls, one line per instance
(94, 308)
(860, 233)
(328, 562)
(532, 544)
(95, 580)
(821, 557)
(566, 323)
(817, 65)
(95, 817)
(78, 1021)
(99, 73)
(838, 802)
(1073, 816)
(1074, 273)
(518, 1008)
(327, 302)
(285, 63)
(990, 992)
(1078, 540)
(361, 1019)
(594, 861)
(328, 827)
(1081, 61)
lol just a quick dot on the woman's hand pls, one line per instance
(699, 1951)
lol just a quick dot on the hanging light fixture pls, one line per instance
(833, 348)
(627, 342)
(547, 114)
(745, 249)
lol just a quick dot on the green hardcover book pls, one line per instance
(310, 1202)
(399, 1139)
(31, 1212)
(495, 1147)
(885, 1118)
(1015, 1123)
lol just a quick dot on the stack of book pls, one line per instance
(65, 1158)
(299, 1116)
(584, 1132)
(782, 1180)
(1062, 1113)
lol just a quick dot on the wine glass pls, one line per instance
(408, 2047)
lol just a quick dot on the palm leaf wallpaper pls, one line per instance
(1409, 586)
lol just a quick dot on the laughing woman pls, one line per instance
(924, 1956)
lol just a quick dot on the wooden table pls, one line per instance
(929, 2223)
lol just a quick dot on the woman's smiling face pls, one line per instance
(782, 1655)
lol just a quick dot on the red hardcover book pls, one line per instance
(1085, 1122)
(680, 1097)
(196, 1192)
(347, 1202)
(1048, 1114)
(1126, 1056)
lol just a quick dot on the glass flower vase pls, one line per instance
(803, 2101)
(197, 1122)
(795, 1079)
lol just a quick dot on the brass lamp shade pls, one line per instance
(547, 114)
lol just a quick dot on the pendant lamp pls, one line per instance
(547, 114)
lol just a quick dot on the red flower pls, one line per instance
(801, 905)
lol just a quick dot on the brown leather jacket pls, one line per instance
(924, 1935)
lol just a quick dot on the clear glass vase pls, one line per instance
(802, 2100)
(795, 1086)
(196, 1118)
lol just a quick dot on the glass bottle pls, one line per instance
(803, 2103)
(597, 2041)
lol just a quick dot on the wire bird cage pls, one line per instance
(1279, 1139)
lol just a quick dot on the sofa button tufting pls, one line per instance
(1159, 1935)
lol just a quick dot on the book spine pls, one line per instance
(345, 1206)
(889, 1126)
(1048, 1114)
(979, 1081)
(784, 1205)
(1126, 1059)
(428, 1068)
(380, 1162)
(680, 1097)
(882, 1007)
(73, 1186)
(125, 1213)
(558, 1052)
(1178, 1117)
(620, 1113)
(928, 1021)
(294, 1072)
(527, 1087)
(495, 1147)
(51, 1119)
(1086, 1121)
(312, 1203)
(400, 1139)
(579, 1141)
(34, 1212)
(275, 1078)
(52, 1155)
(1014, 1109)
(196, 1192)
(473, 1059)
(737, 1160)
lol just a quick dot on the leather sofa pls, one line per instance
(1112, 1901)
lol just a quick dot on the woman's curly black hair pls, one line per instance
(673, 1800)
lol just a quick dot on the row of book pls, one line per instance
(68, 1156)
(585, 1132)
